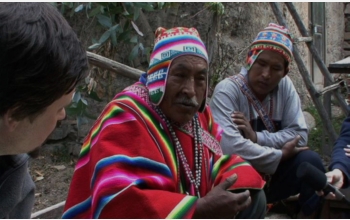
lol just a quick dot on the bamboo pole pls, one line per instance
(327, 125)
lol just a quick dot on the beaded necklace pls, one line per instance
(194, 179)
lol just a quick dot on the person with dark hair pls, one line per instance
(260, 112)
(41, 62)
(154, 151)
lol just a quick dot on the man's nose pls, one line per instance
(266, 73)
(189, 87)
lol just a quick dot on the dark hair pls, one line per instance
(41, 58)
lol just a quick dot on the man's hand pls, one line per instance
(243, 124)
(220, 203)
(336, 178)
(290, 149)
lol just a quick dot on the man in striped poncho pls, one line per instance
(154, 152)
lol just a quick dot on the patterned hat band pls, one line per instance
(271, 36)
(261, 47)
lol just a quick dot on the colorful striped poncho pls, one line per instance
(128, 167)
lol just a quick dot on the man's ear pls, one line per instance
(9, 122)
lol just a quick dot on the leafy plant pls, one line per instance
(317, 137)
(118, 20)
(216, 7)
(79, 105)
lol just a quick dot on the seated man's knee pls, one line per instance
(311, 157)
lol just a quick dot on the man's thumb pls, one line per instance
(296, 139)
(229, 181)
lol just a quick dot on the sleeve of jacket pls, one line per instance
(339, 159)
(224, 101)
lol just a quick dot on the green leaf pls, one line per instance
(84, 101)
(125, 13)
(95, 11)
(94, 46)
(94, 40)
(105, 4)
(134, 39)
(144, 5)
(114, 38)
(147, 52)
(115, 27)
(126, 25)
(136, 28)
(124, 36)
(63, 9)
(136, 13)
(79, 8)
(118, 10)
(141, 47)
(114, 31)
(94, 96)
(73, 105)
(76, 97)
(134, 52)
(104, 20)
(128, 7)
(104, 37)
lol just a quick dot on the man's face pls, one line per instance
(27, 136)
(185, 88)
(265, 74)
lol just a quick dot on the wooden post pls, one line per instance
(327, 125)
(316, 56)
(113, 66)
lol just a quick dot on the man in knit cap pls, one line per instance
(154, 151)
(260, 113)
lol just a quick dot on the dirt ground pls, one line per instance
(52, 175)
(52, 172)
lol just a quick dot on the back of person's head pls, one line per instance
(41, 58)
(168, 45)
(274, 38)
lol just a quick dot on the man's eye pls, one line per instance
(180, 75)
(201, 78)
(277, 68)
(261, 63)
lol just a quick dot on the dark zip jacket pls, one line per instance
(16, 187)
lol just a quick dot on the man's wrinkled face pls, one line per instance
(185, 88)
(266, 72)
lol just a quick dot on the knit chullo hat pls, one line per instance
(168, 45)
(275, 38)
